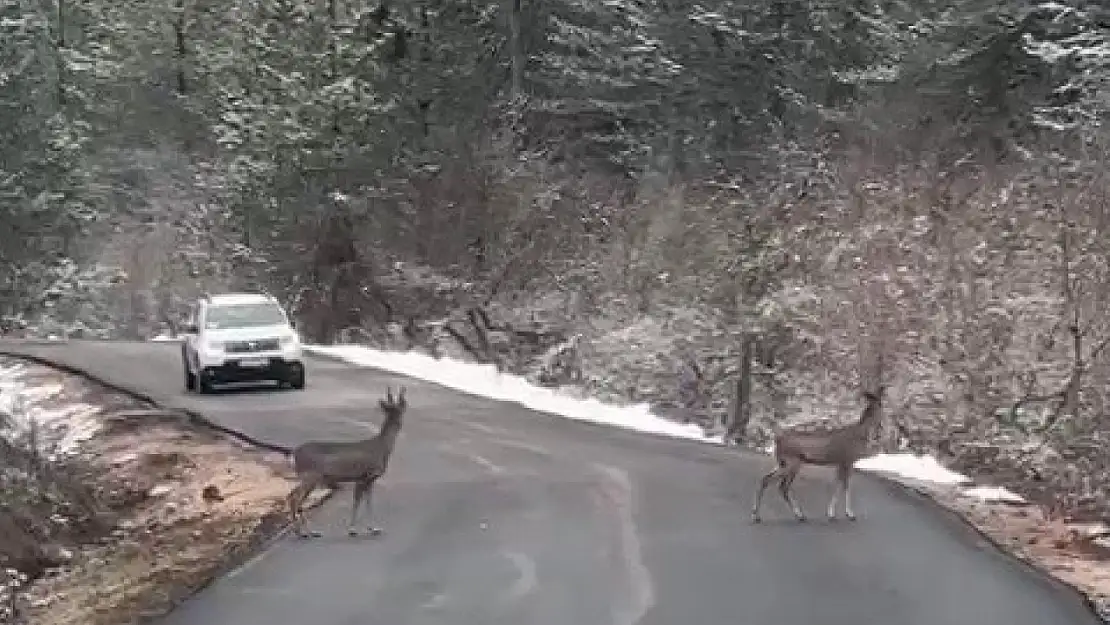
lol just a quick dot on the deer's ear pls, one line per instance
(384, 406)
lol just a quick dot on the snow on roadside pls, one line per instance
(925, 471)
(30, 404)
(486, 381)
(912, 467)
(989, 494)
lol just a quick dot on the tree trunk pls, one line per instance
(516, 49)
(740, 410)
(180, 48)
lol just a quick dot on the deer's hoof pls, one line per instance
(352, 532)
(755, 518)
(375, 531)
(850, 517)
(802, 519)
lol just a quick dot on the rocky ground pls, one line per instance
(127, 509)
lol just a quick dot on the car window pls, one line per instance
(243, 316)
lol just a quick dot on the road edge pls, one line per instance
(951, 517)
(272, 527)
(195, 417)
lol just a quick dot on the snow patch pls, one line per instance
(40, 405)
(39, 394)
(912, 467)
(990, 494)
(487, 381)
(165, 338)
(916, 469)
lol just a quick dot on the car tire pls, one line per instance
(297, 380)
(190, 377)
(204, 384)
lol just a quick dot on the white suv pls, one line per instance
(239, 337)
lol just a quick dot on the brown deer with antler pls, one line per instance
(838, 447)
(360, 463)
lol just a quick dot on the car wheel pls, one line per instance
(297, 380)
(205, 383)
(190, 377)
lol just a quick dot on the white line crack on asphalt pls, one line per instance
(641, 589)
(526, 580)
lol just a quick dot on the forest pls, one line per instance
(591, 191)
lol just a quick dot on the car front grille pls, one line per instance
(246, 347)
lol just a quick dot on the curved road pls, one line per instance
(494, 514)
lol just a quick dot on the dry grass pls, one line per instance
(175, 541)
(185, 504)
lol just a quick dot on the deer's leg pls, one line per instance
(296, 502)
(293, 500)
(305, 530)
(791, 472)
(357, 492)
(764, 482)
(843, 474)
(838, 492)
(374, 531)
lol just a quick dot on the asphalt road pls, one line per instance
(494, 514)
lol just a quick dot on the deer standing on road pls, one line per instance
(838, 447)
(360, 463)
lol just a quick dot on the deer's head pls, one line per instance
(391, 407)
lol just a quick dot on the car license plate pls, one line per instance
(254, 362)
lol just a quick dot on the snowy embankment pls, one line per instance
(30, 404)
(486, 381)
(138, 508)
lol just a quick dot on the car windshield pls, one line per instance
(243, 316)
